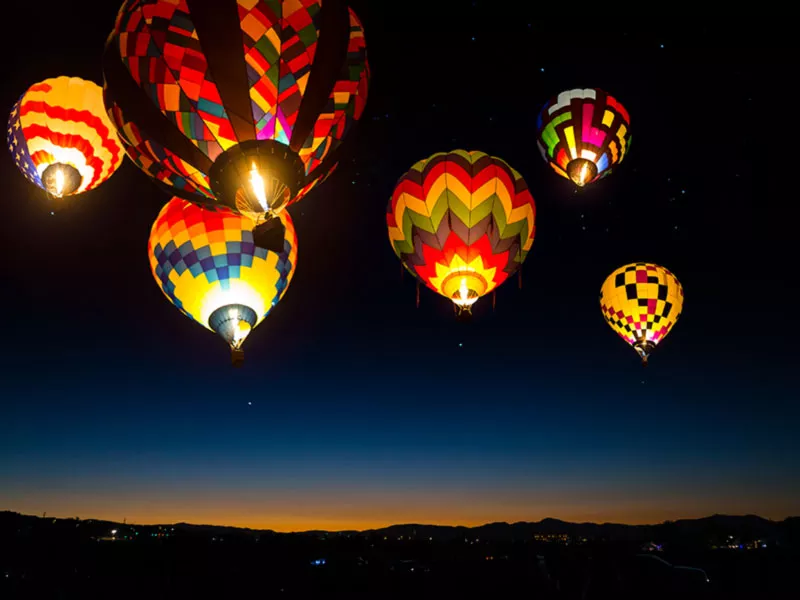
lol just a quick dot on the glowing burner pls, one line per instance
(581, 171)
(61, 179)
(258, 179)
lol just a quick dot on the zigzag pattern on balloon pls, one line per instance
(461, 214)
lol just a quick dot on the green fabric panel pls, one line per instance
(421, 221)
(458, 207)
(482, 210)
(549, 135)
(440, 209)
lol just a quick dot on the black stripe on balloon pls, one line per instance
(123, 91)
(329, 58)
(193, 197)
(325, 166)
(219, 31)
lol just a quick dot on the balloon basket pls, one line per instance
(237, 357)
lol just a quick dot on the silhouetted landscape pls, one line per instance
(714, 557)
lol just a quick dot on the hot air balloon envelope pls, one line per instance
(641, 302)
(61, 138)
(240, 103)
(462, 223)
(207, 265)
(583, 133)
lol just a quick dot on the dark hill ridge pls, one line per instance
(709, 529)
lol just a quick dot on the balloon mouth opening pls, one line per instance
(643, 349)
(581, 171)
(61, 179)
(257, 177)
(233, 323)
(464, 287)
(464, 300)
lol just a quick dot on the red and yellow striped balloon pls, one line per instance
(61, 137)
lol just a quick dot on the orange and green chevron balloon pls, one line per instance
(61, 138)
(583, 133)
(462, 223)
(641, 302)
(207, 265)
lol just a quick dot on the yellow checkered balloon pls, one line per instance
(641, 302)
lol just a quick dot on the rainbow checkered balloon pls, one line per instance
(207, 265)
(583, 133)
(61, 138)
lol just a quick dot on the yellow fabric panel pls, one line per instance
(442, 183)
(85, 97)
(569, 134)
(628, 316)
(458, 264)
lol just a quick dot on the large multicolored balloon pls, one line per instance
(207, 265)
(236, 102)
(61, 138)
(583, 133)
(462, 223)
(641, 302)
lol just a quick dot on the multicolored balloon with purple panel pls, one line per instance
(207, 265)
(236, 102)
(583, 134)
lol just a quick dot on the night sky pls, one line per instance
(355, 409)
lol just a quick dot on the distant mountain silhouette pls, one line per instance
(719, 528)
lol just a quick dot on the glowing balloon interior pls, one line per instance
(462, 223)
(583, 133)
(61, 138)
(207, 265)
(641, 302)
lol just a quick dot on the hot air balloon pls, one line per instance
(236, 102)
(61, 138)
(583, 133)
(461, 223)
(641, 302)
(207, 265)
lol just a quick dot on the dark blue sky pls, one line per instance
(368, 411)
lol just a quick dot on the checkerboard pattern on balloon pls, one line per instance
(203, 259)
(641, 301)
